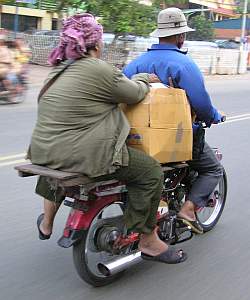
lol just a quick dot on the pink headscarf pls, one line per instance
(78, 33)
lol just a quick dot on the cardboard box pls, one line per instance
(162, 108)
(165, 145)
(161, 125)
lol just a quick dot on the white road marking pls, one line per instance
(13, 162)
(12, 156)
(239, 116)
(8, 160)
(235, 120)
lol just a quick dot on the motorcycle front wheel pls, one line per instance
(87, 254)
(209, 215)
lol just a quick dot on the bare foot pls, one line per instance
(151, 244)
(187, 211)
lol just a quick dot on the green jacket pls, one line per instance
(80, 126)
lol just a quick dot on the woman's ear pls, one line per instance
(99, 48)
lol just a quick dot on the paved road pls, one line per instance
(219, 262)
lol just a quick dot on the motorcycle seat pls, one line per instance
(69, 179)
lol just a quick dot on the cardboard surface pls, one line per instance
(168, 107)
(162, 108)
(165, 145)
(161, 125)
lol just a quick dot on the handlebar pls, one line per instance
(223, 119)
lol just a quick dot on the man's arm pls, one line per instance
(191, 80)
(131, 69)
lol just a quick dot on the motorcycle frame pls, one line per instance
(84, 211)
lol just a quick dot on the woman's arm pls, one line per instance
(129, 91)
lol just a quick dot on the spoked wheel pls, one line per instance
(94, 248)
(209, 215)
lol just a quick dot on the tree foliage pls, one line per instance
(124, 16)
(119, 17)
(162, 4)
(204, 29)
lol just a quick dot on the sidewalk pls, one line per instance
(37, 74)
(245, 76)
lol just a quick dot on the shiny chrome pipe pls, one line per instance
(120, 264)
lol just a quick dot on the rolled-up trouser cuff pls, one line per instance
(44, 189)
(209, 171)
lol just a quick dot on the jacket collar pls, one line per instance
(166, 47)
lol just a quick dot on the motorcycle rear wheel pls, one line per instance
(86, 255)
(207, 216)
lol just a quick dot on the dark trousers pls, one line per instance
(209, 173)
(144, 181)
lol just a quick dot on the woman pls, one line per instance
(80, 128)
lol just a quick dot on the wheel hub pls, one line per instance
(106, 238)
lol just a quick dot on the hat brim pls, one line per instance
(170, 31)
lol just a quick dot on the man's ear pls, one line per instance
(182, 36)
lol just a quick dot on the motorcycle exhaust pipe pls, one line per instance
(120, 264)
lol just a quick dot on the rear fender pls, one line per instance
(79, 221)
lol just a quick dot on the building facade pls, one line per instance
(29, 19)
(221, 9)
(231, 29)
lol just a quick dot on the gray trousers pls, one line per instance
(209, 172)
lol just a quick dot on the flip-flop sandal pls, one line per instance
(195, 225)
(42, 236)
(170, 256)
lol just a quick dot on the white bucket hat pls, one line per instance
(171, 21)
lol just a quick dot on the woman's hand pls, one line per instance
(153, 78)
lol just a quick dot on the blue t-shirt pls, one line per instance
(167, 60)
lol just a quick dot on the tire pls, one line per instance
(86, 256)
(214, 213)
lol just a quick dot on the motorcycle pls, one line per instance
(102, 247)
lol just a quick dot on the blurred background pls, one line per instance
(219, 45)
(219, 262)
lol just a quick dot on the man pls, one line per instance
(173, 66)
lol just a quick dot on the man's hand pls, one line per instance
(219, 117)
(223, 116)
(153, 78)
